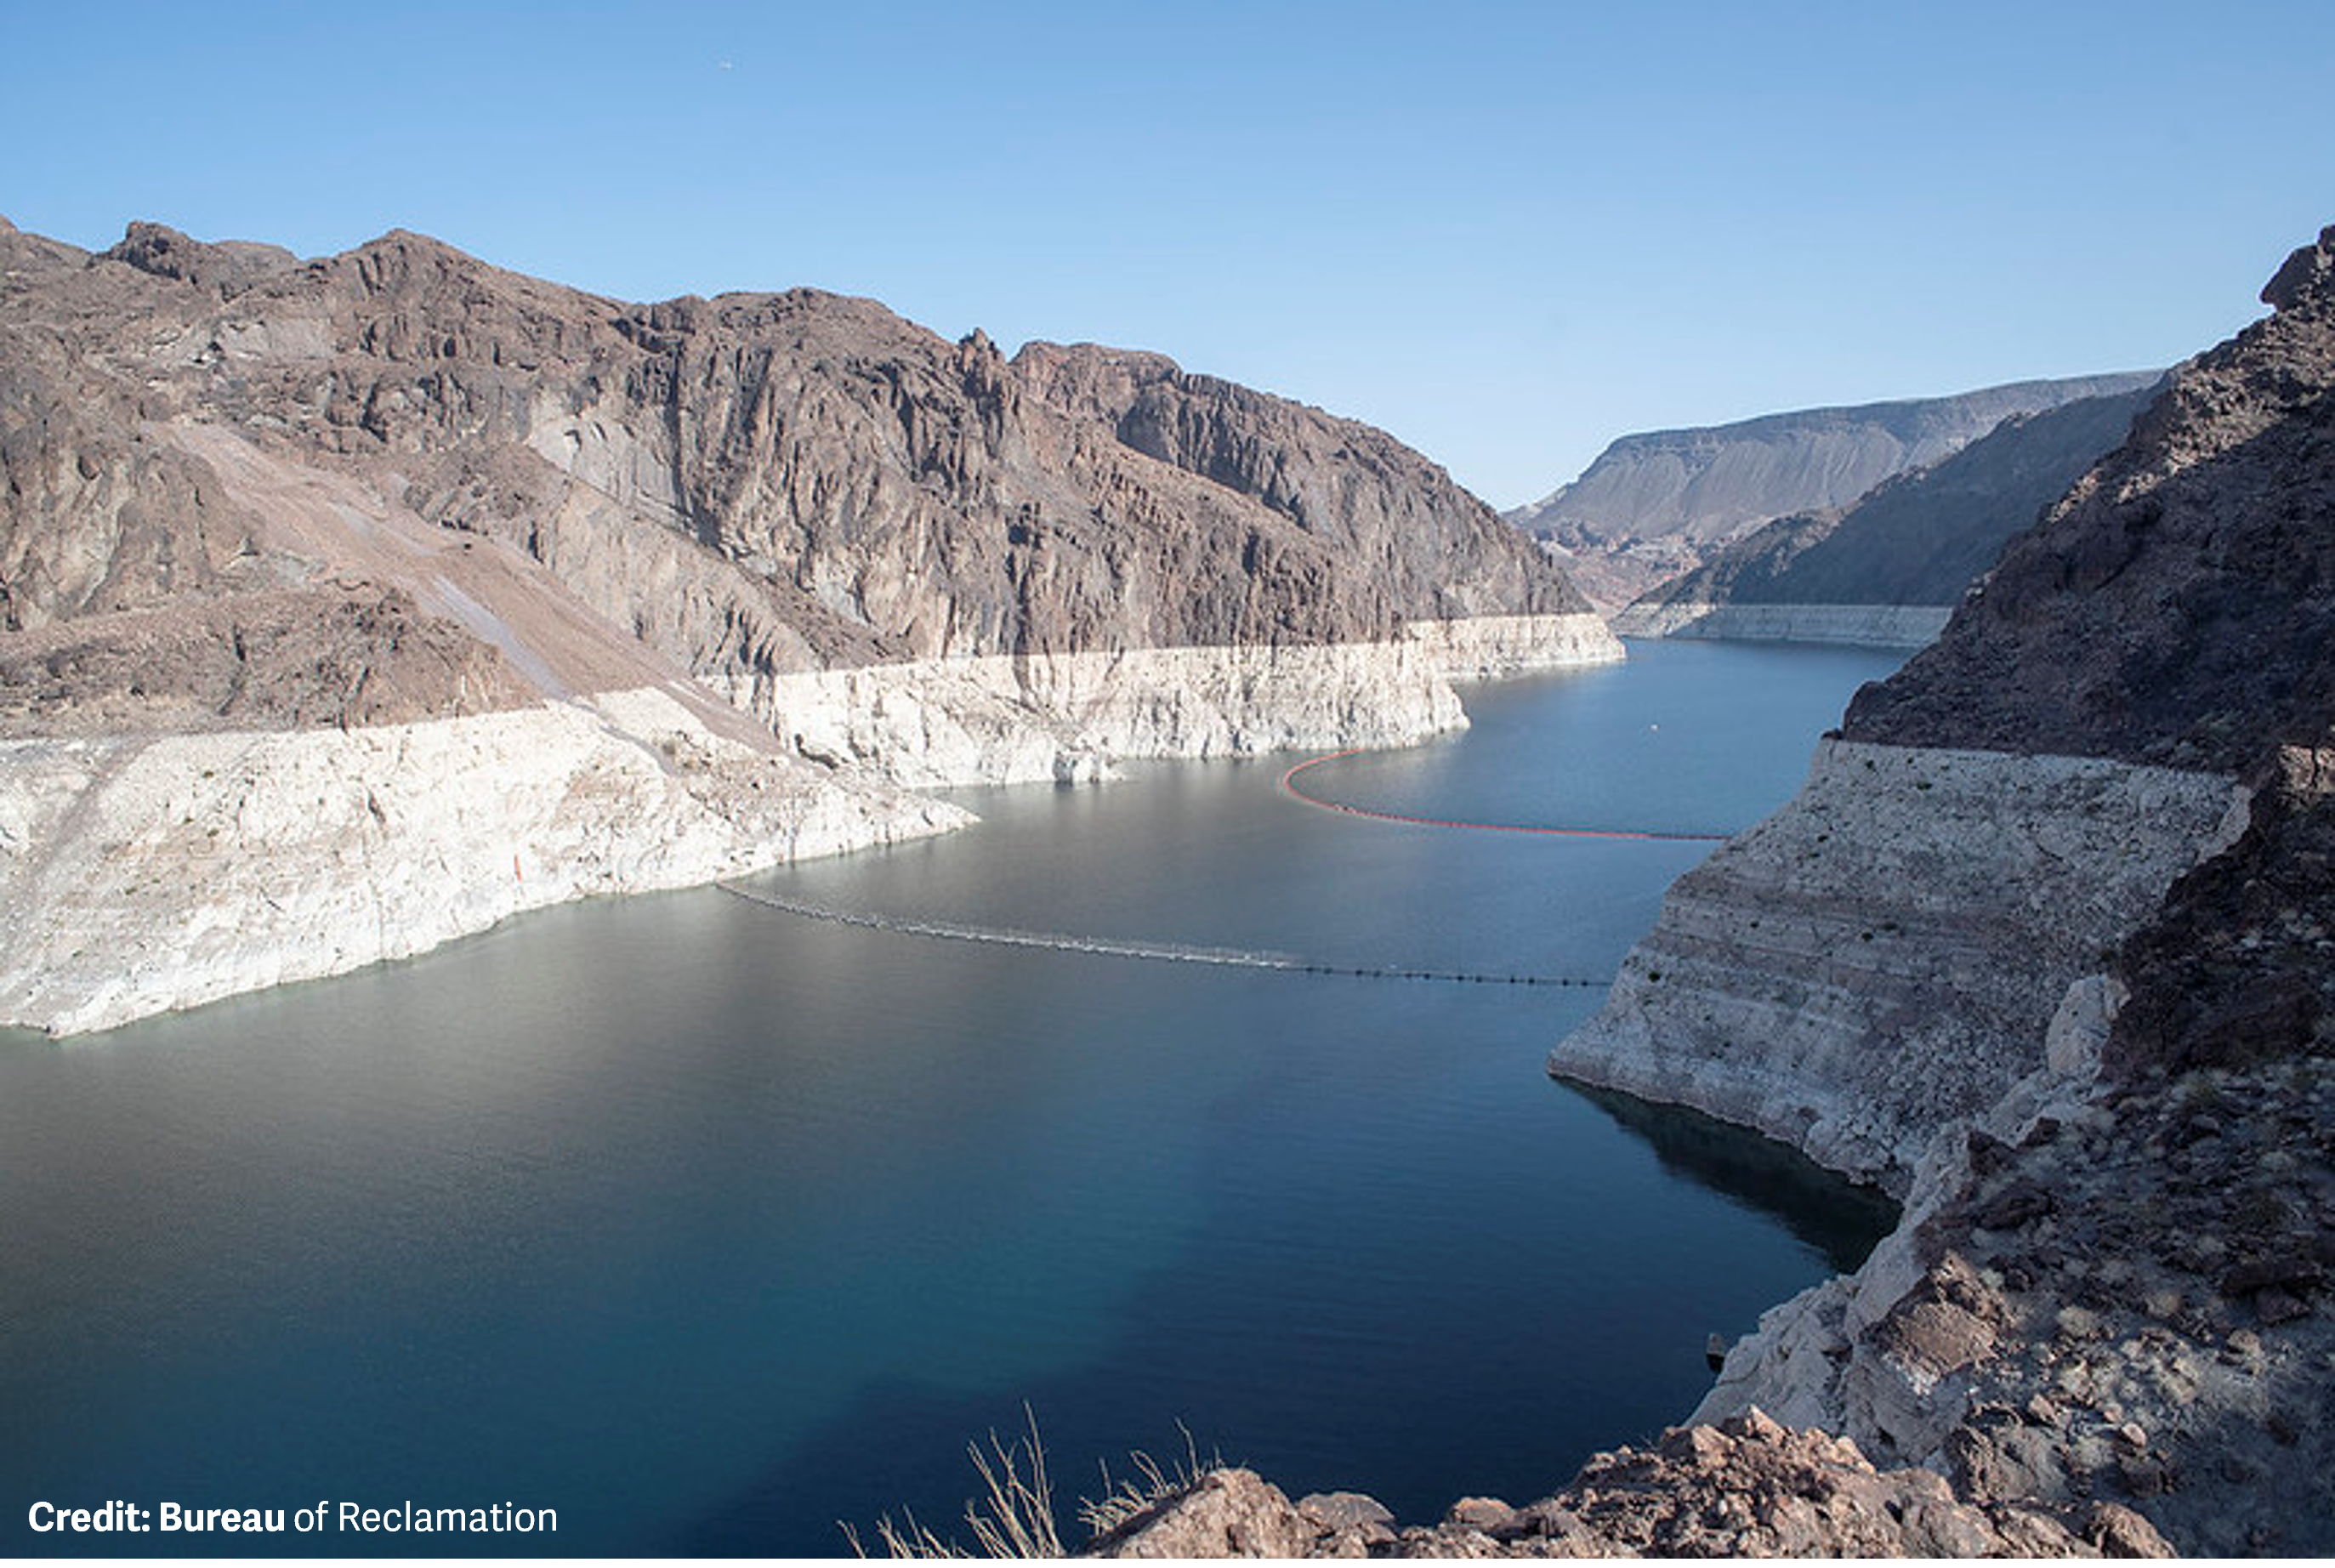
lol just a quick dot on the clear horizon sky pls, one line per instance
(1506, 233)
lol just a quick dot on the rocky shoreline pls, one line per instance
(1856, 625)
(142, 873)
(1881, 957)
(1013, 719)
(2111, 1277)
(350, 604)
(2112, 1281)
(2046, 945)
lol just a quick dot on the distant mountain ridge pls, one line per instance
(1919, 539)
(1656, 504)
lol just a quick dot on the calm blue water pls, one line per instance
(710, 1226)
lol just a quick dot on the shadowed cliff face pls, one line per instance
(2238, 968)
(2177, 607)
(1657, 504)
(750, 485)
(2113, 1280)
(1923, 537)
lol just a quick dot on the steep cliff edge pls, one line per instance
(788, 552)
(2102, 1082)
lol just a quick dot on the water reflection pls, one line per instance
(1840, 1219)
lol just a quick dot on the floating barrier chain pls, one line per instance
(1231, 957)
(1153, 952)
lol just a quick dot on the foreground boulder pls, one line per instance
(1745, 1487)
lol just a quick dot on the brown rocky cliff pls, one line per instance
(2123, 1291)
(1343, 483)
(2238, 968)
(95, 514)
(909, 486)
(749, 485)
(2177, 607)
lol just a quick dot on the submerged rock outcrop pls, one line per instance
(649, 593)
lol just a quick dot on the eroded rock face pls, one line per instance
(275, 659)
(2239, 965)
(1345, 483)
(836, 473)
(144, 873)
(2175, 607)
(2110, 1282)
(2163, 629)
(1068, 716)
(2124, 1297)
(281, 506)
(749, 487)
(1882, 957)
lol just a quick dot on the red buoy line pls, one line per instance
(1289, 783)
(1178, 953)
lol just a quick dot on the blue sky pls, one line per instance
(1506, 233)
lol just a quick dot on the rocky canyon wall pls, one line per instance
(142, 874)
(2072, 998)
(350, 604)
(1879, 959)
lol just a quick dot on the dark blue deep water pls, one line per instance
(709, 1226)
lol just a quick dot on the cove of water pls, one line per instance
(709, 1226)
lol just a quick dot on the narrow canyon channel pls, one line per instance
(709, 1224)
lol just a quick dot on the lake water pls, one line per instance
(710, 1226)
